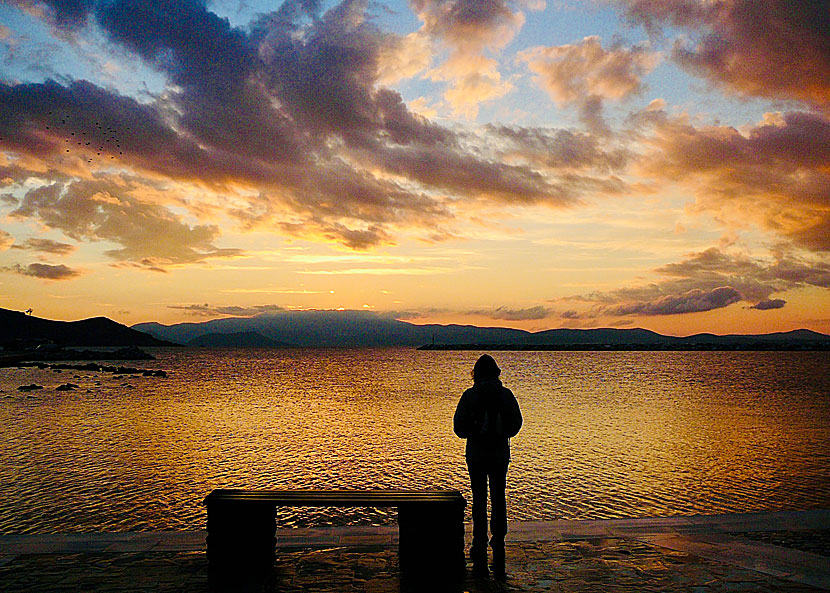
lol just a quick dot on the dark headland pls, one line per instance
(28, 338)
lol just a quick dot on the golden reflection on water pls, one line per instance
(606, 434)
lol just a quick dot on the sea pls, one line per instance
(605, 435)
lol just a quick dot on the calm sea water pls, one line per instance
(606, 434)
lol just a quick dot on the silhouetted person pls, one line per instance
(487, 416)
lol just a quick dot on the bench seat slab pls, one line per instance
(242, 527)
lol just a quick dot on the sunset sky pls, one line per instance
(612, 163)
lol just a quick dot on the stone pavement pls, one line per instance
(764, 553)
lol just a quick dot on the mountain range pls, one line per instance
(368, 329)
(336, 329)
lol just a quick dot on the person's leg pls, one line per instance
(497, 474)
(478, 482)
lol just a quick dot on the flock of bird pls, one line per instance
(105, 137)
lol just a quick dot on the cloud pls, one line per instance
(287, 118)
(471, 28)
(586, 74)
(64, 14)
(769, 304)
(206, 310)
(773, 173)
(403, 57)
(470, 24)
(709, 280)
(561, 151)
(775, 48)
(46, 246)
(6, 240)
(571, 72)
(44, 271)
(529, 313)
(693, 301)
(150, 235)
(474, 79)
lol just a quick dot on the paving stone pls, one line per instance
(611, 558)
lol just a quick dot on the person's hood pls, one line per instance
(489, 387)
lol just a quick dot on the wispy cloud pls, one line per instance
(207, 310)
(410, 271)
(46, 246)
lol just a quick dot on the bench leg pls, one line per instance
(240, 541)
(431, 541)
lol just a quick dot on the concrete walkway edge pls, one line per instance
(705, 536)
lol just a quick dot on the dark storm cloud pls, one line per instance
(775, 48)
(44, 271)
(82, 121)
(769, 304)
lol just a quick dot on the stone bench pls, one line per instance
(241, 527)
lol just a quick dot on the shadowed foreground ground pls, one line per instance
(769, 553)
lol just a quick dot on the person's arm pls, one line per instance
(511, 414)
(462, 421)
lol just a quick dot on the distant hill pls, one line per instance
(97, 331)
(236, 340)
(368, 329)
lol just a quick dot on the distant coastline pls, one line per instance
(693, 347)
(356, 329)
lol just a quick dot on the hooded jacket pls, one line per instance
(487, 416)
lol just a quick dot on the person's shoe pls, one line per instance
(499, 572)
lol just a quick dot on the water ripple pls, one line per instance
(606, 435)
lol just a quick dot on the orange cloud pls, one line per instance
(150, 235)
(470, 28)
(586, 74)
(775, 48)
(774, 173)
(6, 240)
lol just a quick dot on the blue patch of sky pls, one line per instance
(83, 55)
(567, 23)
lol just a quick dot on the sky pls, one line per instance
(536, 164)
